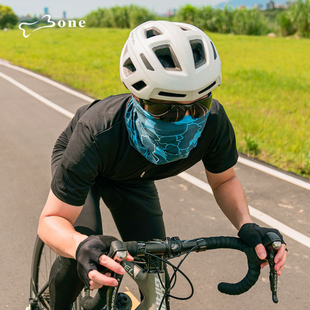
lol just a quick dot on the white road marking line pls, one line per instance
(48, 81)
(37, 96)
(304, 240)
(275, 173)
(241, 160)
(286, 230)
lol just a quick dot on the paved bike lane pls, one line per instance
(28, 130)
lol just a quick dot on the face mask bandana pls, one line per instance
(162, 142)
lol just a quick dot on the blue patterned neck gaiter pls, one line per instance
(162, 142)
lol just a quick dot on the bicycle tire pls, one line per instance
(42, 261)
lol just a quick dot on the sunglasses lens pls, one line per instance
(176, 112)
(201, 108)
(157, 109)
(164, 112)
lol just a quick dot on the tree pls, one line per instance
(8, 18)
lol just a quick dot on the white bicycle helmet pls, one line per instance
(169, 61)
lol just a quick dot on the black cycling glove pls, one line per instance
(88, 253)
(252, 234)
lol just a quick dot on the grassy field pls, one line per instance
(265, 89)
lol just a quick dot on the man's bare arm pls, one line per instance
(230, 196)
(56, 226)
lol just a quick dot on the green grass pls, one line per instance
(265, 88)
(265, 91)
(86, 59)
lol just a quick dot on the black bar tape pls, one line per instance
(244, 285)
(132, 247)
(253, 263)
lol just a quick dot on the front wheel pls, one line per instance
(42, 262)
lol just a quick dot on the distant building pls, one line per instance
(64, 15)
(270, 5)
(45, 11)
(241, 7)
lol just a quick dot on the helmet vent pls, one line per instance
(166, 94)
(139, 85)
(207, 88)
(146, 62)
(214, 51)
(128, 67)
(167, 57)
(152, 32)
(184, 28)
(198, 52)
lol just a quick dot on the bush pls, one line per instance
(188, 14)
(220, 20)
(285, 24)
(204, 21)
(299, 14)
(138, 15)
(119, 17)
(251, 146)
(228, 20)
(99, 18)
(250, 22)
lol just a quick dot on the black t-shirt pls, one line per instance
(96, 145)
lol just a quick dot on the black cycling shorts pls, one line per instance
(135, 209)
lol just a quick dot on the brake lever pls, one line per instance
(272, 243)
(118, 252)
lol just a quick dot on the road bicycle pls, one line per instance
(149, 272)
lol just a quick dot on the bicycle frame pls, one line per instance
(151, 286)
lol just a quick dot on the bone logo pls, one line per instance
(61, 23)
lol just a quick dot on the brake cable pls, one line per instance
(174, 275)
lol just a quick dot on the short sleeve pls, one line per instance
(78, 168)
(62, 141)
(222, 153)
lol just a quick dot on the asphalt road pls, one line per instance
(28, 130)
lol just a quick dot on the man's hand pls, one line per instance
(94, 266)
(253, 236)
(97, 279)
(279, 259)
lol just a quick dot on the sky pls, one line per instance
(79, 8)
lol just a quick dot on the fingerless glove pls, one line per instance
(88, 253)
(252, 234)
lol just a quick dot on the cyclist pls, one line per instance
(116, 147)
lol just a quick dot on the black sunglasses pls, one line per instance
(176, 112)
